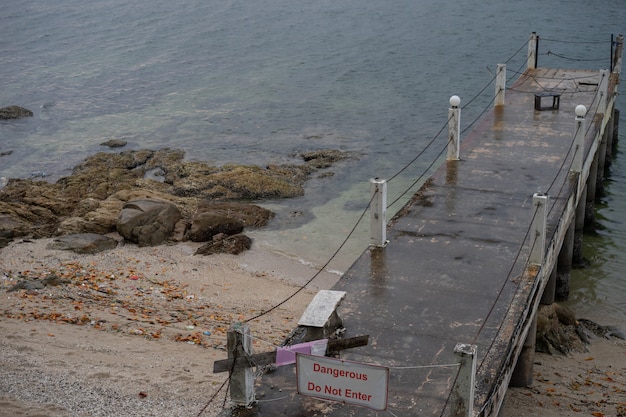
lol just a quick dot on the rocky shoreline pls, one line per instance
(153, 197)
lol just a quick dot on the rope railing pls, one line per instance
(520, 251)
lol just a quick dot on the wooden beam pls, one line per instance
(266, 358)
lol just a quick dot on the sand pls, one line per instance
(135, 331)
(591, 383)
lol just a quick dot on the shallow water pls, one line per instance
(246, 82)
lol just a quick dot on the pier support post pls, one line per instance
(577, 258)
(564, 264)
(590, 214)
(239, 343)
(579, 138)
(454, 129)
(500, 85)
(378, 212)
(615, 127)
(533, 46)
(548, 295)
(538, 236)
(601, 163)
(463, 389)
(608, 152)
(522, 375)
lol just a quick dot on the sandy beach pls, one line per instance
(135, 331)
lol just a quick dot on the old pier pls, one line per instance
(449, 289)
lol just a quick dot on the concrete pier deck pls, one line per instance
(456, 267)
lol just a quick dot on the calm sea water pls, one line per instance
(256, 82)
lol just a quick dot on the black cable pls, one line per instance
(576, 42)
(213, 397)
(320, 270)
(418, 179)
(574, 59)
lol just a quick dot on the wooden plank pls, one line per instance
(321, 308)
(266, 358)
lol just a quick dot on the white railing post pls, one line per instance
(533, 43)
(538, 236)
(239, 343)
(579, 139)
(378, 212)
(463, 389)
(454, 129)
(500, 85)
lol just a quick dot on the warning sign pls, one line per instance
(345, 381)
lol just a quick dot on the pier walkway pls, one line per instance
(458, 265)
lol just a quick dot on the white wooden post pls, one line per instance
(239, 343)
(538, 231)
(463, 389)
(454, 129)
(378, 212)
(579, 138)
(500, 85)
(533, 42)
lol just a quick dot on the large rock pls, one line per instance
(250, 215)
(206, 225)
(148, 222)
(88, 243)
(557, 330)
(215, 218)
(14, 112)
(225, 244)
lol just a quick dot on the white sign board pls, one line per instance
(340, 380)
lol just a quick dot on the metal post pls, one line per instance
(612, 56)
(239, 343)
(579, 139)
(538, 236)
(454, 129)
(533, 45)
(378, 212)
(463, 389)
(500, 85)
